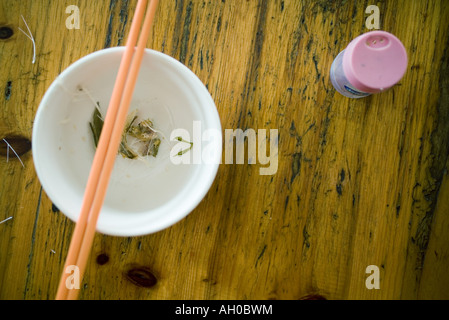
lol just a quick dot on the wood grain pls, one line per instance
(360, 182)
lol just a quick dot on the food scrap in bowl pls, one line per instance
(139, 138)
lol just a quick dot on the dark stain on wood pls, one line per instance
(261, 254)
(342, 175)
(252, 73)
(8, 90)
(318, 73)
(123, 21)
(296, 165)
(179, 7)
(201, 59)
(186, 33)
(339, 185)
(439, 153)
(306, 242)
(102, 259)
(286, 203)
(33, 240)
(219, 24)
(325, 125)
(21, 146)
(54, 208)
(112, 5)
(141, 277)
(293, 132)
(6, 32)
(297, 36)
(123, 15)
(339, 189)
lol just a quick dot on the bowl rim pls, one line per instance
(211, 169)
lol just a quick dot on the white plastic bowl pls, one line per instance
(143, 197)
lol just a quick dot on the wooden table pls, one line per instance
(359, 182)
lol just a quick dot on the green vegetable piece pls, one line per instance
(154, 147)
(96, 126)
(148, 138)
(126, 152)
(182, 152)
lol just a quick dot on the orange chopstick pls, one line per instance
(107, 148)
(100, 154)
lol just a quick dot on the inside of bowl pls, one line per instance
(139, 187)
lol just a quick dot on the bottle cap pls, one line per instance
(375, 61)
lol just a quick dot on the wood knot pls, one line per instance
(141, 277)
(102, 259)
(6, 32)
(21, 145)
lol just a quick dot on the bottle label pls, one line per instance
(341, 83)
(355, 92)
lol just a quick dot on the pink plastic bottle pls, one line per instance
(373, 62)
